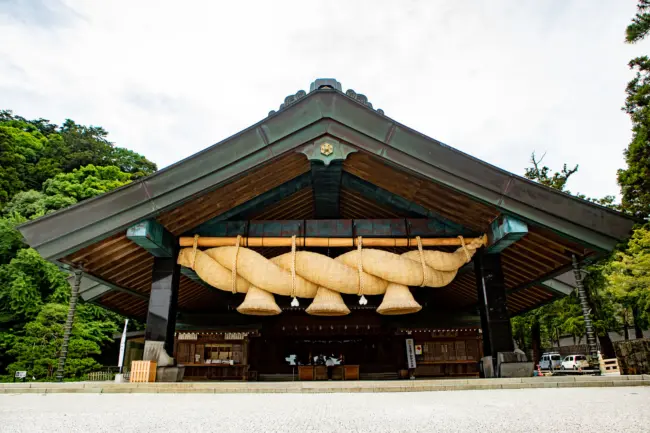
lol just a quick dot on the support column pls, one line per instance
(495, 320)
(67, 329)
(161, 317)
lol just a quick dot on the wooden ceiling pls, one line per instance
(247, 187)
(122, 263)
(437, 198)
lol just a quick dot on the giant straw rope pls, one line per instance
(305, 274)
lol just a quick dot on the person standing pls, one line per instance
(329, 363)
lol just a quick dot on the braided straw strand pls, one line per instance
(425, 273)
(360, 264)
(234, 266)
(293, 268)
(196, 244)
(467, 254)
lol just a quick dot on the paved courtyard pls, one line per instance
(527, 410)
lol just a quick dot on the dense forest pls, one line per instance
(43, 168)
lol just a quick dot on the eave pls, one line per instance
(323, 112)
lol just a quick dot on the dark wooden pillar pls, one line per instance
(495, 320)
(161, 317)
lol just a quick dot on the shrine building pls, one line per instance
(327, 230)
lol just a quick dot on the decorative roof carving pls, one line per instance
(362, 99)
(326, 83)
(291, 99)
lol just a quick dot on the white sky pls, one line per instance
(497, 79)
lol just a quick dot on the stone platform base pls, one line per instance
(170, 374)
(326, 387)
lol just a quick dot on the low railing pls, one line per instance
(100, 376)
(106, 374)
(609, 367)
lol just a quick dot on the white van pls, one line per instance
(575, 362)
(550, 361)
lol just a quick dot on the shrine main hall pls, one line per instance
(326, 241)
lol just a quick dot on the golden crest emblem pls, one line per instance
(326, 149)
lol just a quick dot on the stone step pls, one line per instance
(328, 386)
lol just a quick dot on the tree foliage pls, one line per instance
(36, 350)
(33, 151)
(640, 25)
(635, 178)
(628, 275)
(557, 180)
(44, 168)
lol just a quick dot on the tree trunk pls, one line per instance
(627, 333)
(606, 346)
(638, 331)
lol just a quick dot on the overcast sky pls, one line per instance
(497, 79)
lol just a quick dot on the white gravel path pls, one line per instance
(526, 410)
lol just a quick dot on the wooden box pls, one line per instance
(320, 372)
(351, 372)
(306, 372)
(143, 371)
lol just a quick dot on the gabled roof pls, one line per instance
(324, 111)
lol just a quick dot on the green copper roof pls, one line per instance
(325, 110)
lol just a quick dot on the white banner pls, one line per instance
(120, 360)
(410, 353)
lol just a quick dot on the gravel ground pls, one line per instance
(526, 410)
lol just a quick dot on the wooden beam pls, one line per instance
(423, 227)
(505, 231)
(153, 237)
(326, 187)
(325, 242)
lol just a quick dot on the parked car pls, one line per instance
(550, 361)
(574, 362)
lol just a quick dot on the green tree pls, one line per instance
(33, 151)
(19, 151)
(640, 26)
(557, 180)
(44, 168)
(33, 204)
(10, 239)
(628, 275)
(635, 179)
(86, 182)
(37, 349)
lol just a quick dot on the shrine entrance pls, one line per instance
(327, 214)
